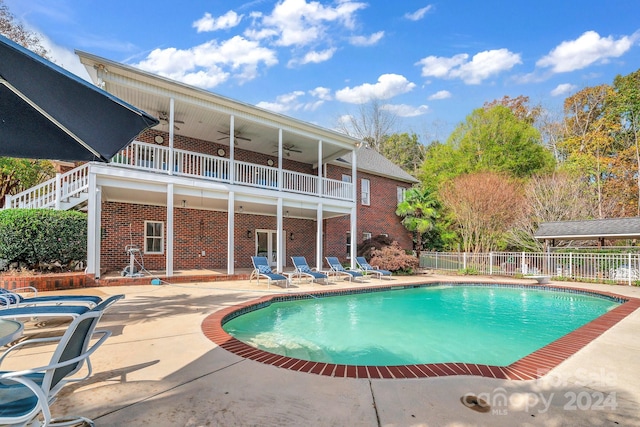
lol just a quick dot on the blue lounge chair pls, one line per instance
(368, 269)
(337, 268)
(303, 269)
(261, 268)
(13, 298)
(27, 394)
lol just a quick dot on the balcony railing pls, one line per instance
(140, 155)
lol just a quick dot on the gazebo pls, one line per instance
(595, 229)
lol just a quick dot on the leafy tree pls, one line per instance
(625, 108)
(492, 139)
(519, 107)
(404, 150)
(418, 212)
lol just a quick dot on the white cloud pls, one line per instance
(313, 57)
(388, 86)
(294, 101)
(441, 94)
(482, 66)
(587, 49)
(209, 23)
(298, 23)
(210, 63)
(418, 14)
(366, 41)
(404, 110)
(563, 89)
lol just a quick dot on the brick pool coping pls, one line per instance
(530, 367)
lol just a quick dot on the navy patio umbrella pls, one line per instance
(47, 112)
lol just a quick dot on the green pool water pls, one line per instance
(472, 324)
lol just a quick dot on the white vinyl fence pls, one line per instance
(608, 268)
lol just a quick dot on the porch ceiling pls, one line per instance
(203, 115)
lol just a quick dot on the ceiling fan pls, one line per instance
(288, 149)
(236, 136)
(164, 120)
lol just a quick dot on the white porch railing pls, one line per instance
(64, 191)
(601, 267)
(59, 192)
(140, 155)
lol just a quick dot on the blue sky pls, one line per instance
(430, 63)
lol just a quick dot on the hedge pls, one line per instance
(37, 237)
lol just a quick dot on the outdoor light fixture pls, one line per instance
(184, 203)
(291, 236)
(249, 234)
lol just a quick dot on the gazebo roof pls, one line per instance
(611, 228)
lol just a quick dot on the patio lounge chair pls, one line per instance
(337, 268)
(368, 269)
(303, 269)
(10, 298)
(26, 395)
(261, 268)
(38, 311)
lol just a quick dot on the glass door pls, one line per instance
(267, 246)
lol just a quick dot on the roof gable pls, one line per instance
(619, 228)
(369, 160)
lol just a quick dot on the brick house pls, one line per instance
(218, 181)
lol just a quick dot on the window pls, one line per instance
(346, 178)
(153, 237)
(348, 245)
(366, 236)
(365, 189)
(401, 191)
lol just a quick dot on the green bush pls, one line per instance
(34, 237)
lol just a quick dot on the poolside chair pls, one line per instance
(303, 269)
(38, 311)
(337, 268)
(26, 395)
(261, 268)
(364, 266)
(10, 298)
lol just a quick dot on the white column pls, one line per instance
(231, 234)
(170, 227)
(171, 160)
(232, 144)
(93, 227)
(354, 209)
(320, 186)
(279, 240)
(280, 159)
(319, 254)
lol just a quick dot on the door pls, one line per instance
(267, 246)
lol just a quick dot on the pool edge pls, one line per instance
(531, 367)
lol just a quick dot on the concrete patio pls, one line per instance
(158, 368)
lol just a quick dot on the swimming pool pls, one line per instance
(480, 324)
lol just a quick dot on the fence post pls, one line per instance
(571, 265)
(436, 260)
(7, 201)
(523, 268)
(490, 263)
(58, 190)
(630, 270)
(464, 260)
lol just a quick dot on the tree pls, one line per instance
(19, 174)
(484, 206)
(519, 107)
(492, 139)
(625, 107)
(404, 150)
(371, 124)
(14, 30)
(556, 197)
(418, 212)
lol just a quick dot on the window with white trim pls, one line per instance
(365, 190)
(348, 245)
(401, 192)
(366, 236)
(153, 237)
(346, 178)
